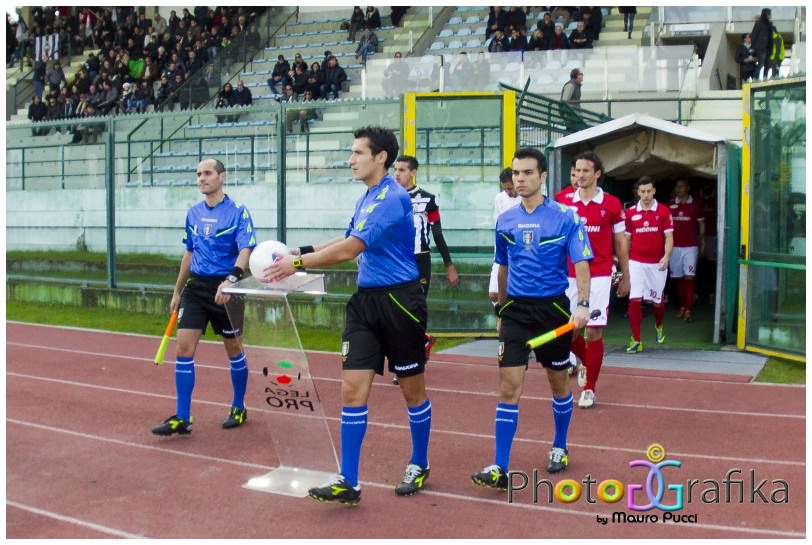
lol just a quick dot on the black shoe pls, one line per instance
(235, 418)
(491, 477)
(174, 424)
(337, 490)
(558, 460)
(413, 480)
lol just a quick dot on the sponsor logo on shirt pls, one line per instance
(407, 366)
(592, 228)
(637, 217)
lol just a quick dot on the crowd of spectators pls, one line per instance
(507, 29)
(324, 80)
(135, 63)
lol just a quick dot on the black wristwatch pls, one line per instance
(232, 278)
(584, 303)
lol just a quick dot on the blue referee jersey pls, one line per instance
(383, 221)
(536, 246)
(216, 235)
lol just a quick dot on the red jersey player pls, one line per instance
(604, 221)
(649, 225)
(565, 195)
(688, 215)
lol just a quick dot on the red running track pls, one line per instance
(82, 463)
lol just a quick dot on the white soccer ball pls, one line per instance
(264, 255)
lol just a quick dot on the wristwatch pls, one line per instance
(297, 264)
(583, 303)
(232, 278)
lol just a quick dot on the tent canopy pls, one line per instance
(639, 144)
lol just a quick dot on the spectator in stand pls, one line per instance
(38, 77)
(460, 75)
(628, 18)
(746, 57)
(593, 21)
(536, 41)
(181, 95)
(559, 39)
(194, 63)
(498, 19)
(776, 52)
(547, 28)
(150, 69)
(498, 42)
(356, 22)
(224, 101)
(561, 15)
(164, 90)
(396, 76)
(159, 23)
(367, 45)
(396, 14)
(315, 79)
(373, 17)
(53, 111)
(516, 19)
(517, 40)
(37, 111)
(579, 39)
(241, 95)
(94, 96)
(334, 78)
(298, 61)
(109, 98)
(299, 80)
(279, 75)
(54, 76)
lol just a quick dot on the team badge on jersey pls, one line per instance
(527, 237)
(207, 230)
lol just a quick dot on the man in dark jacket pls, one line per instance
(334, 77)
(746, 57)
(762, 42)
(37, 112)
(279, 74)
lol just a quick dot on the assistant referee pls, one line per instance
(219, 237)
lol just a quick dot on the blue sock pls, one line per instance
(239, 379)
(353, 428)
(184, 384)
(420, 424)
(507, 420)
(562, 412)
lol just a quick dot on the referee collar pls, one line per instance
(598, 198)
(652, 209)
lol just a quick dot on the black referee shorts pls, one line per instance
(525, 318)
(197, 308)
(389, 323)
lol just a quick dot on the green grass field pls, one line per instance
(679, 334)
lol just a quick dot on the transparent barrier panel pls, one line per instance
(295, 417)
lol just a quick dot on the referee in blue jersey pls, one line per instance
(219, 237)
(385, 318)
(533, 241)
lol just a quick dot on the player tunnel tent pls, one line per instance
(641, 145)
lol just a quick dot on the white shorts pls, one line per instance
(493, 285)
(647, 281)
(683, 261)
(599, 288)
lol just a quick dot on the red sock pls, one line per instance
(681, 290)
(659, 314)
(689, 293)
(635, 317)
(578, 347)
(594, 360)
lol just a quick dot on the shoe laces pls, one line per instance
(412, 472)
(557, 454)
